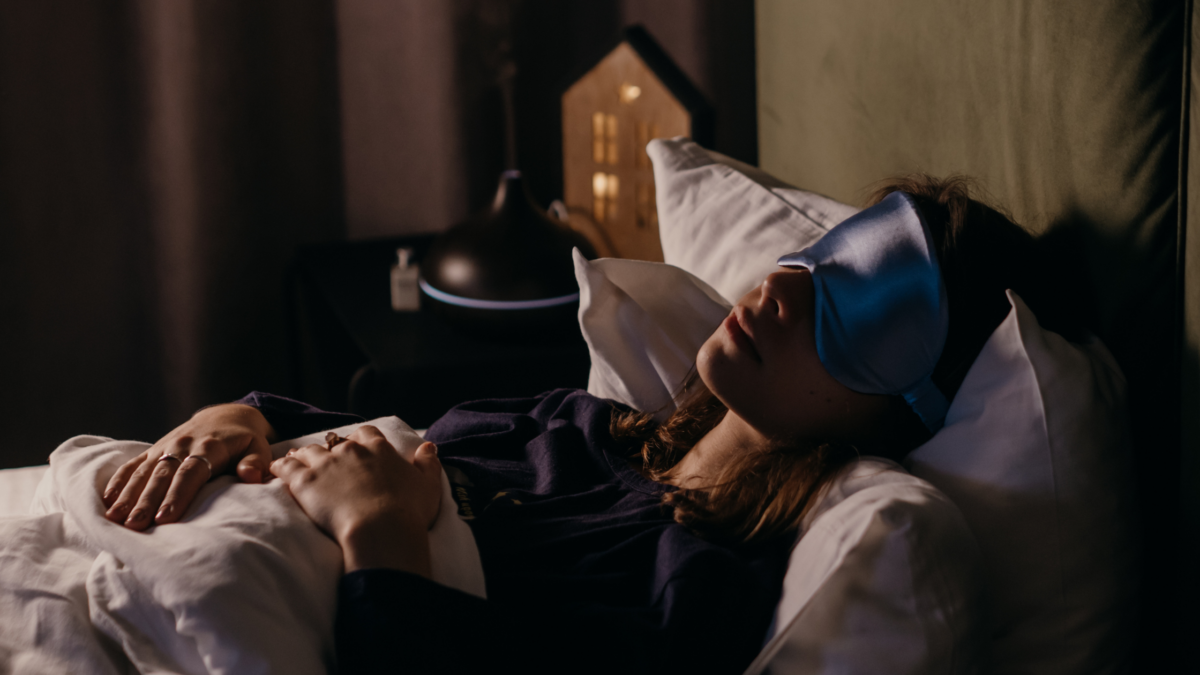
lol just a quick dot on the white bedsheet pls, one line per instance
(246, 584)
(17, 487)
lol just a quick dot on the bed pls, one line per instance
(1076, 116)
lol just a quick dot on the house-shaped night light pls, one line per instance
(634, 94)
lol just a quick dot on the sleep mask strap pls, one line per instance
(880, 304)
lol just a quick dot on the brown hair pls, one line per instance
(757, 496)
(761, 495)
(978, 261)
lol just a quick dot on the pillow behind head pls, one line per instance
(1035, 451)
(874, 547)
(726, 222)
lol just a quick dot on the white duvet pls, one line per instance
(244, 584)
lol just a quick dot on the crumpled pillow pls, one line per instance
(727, 222)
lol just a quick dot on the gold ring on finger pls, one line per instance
(167, 456)
(332, 439)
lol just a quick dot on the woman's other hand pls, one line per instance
(146, 491)
(376, 504)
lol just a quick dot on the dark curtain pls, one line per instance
(161, 160)
(422, 114)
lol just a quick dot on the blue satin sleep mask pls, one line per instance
(881, 315)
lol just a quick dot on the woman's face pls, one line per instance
(762, 364)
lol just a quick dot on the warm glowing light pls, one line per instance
(610, 132)
(457, 270)
(605, 189)
(629, 92)
(598, 137)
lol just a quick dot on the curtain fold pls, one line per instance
(160, 160)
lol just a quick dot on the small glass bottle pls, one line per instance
(406, 296)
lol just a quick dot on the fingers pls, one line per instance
(120, 478)
(159, 486)
(120, 510)
(255, 466)
(310, 455)
(288, 468)
(161, 476)
(426, 459)
(189, 477)
(298, 459)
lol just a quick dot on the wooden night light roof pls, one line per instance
(632, 95)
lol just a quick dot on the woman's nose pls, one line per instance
(783, 292)
(770, 294)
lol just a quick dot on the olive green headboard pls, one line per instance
(1072, 115)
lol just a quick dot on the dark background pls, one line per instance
(161, 161)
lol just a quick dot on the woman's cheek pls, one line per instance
(708, 362)
(728, 380)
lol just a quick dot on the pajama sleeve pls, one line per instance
(292, 419)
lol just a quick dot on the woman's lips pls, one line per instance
(739, 336)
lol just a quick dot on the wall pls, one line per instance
(1070, 115)
(421, 108)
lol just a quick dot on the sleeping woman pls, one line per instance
(610, 542)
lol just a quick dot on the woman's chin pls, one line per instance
(708, 359)
(719, 370)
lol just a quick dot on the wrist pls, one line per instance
(389, 543)
(256, 420)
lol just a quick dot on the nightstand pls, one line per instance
(350, 351)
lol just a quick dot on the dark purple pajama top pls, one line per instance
(585, 571)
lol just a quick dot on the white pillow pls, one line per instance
(885, 558)
(1036, 453)
(885, 579)
(727, 222)
(1035, 450)
(643, 341)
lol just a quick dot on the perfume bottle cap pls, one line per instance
(404, 256)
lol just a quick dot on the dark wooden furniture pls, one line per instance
(352, 352)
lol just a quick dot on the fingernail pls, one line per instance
(164, 512)
(137, 516)
(109, 494)
(120, 509)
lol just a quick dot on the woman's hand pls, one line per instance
(146, 490)
(376, 504)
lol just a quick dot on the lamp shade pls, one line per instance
(506, 273)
